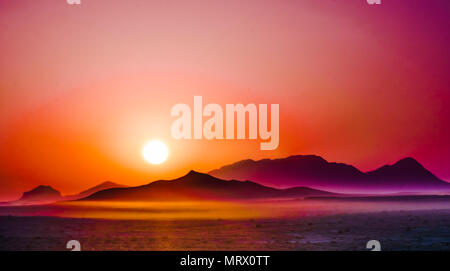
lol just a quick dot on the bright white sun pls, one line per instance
(155, 152)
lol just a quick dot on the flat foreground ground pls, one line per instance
(396, 230)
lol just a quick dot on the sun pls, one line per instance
(155, 152)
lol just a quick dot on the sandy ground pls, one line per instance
(396, 230)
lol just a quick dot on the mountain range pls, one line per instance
(406, 175)
(299, 176)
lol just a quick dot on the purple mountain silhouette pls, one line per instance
(407, 175)
(200, 186)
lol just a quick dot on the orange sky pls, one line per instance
(83, 88)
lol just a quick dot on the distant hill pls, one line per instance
(46, 194)
(200, 186)
(92, 190)
(407, 175)
(39, 195)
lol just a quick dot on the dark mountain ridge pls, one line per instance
(201, 186)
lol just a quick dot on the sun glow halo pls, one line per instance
(155, 152)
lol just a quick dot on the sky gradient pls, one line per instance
(84, 87)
